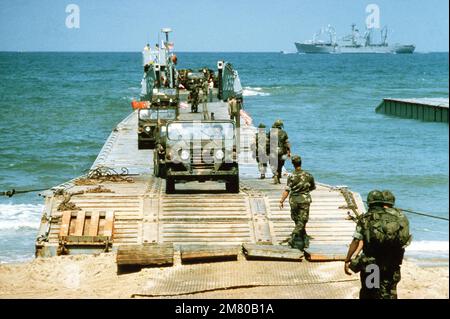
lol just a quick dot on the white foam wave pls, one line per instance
(249, 91)
(20, 258)
(428, 246)
(20, 216)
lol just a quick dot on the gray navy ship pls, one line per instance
(352, 43)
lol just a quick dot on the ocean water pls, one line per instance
(57, 109)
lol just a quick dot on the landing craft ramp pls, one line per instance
(128, 207)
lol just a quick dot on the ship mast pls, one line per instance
(384, 33)
(170, 66)
(332, 32)
(354, 30)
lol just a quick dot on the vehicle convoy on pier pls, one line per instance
(170, 180)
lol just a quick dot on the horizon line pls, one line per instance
(130, 51)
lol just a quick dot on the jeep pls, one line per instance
(198, 151)
(149, 122)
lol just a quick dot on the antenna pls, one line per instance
(166, 31)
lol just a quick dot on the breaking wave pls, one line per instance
(428, 245)
(20, 216)
(428, 250)
(249, 91)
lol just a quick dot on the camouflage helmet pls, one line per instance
(389, 197)
(262, 125)
(296, 160)
(375, 197)
(278, 124)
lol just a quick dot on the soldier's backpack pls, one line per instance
(386, 230)
(281, 144)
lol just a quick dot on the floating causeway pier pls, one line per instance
(133, 214)
(424, 109)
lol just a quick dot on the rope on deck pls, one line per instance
(420, 213)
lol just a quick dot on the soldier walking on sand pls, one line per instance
(299, 186)
(383, 233)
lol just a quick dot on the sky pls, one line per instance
(211, 25)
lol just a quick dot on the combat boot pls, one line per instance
(276, 180)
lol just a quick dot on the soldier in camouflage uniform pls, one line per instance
(259, 148)
(281, 152)
(193, 98)
(388, 259)
(299, 185)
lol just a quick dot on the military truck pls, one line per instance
(163, 107)
(198, 151)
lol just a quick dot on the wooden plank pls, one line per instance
(317, 257)
(93, 227)
(85, 240)
(109, 220)
(271, 252)
(204, 253)
(79, 224)
(145, 255)
(326, 251)
(65, 223)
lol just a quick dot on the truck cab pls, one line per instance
(198, 151)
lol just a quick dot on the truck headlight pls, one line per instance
(147, 129)
(220, 155)
(184, 155)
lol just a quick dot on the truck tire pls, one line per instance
(162, 170)
(232, 186)
(156, 167)
(141, 144)
(145, 145)
(170, 185)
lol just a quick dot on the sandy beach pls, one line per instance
(97, 277)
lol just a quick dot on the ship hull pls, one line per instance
(314, 48)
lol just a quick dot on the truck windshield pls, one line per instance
(154, 114)
(200, 131)
(168, 92)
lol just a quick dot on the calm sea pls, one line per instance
(57, 109)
